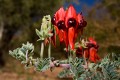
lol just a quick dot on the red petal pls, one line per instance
(61, 34)
(91, 40)
(79, 18)
(70, 13)
(59, 15)
(57, 30)
(71, 35)
(97, 57)
(93, 55)
(66, 39)
(86, 53)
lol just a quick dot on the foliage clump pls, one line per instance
(83, 62)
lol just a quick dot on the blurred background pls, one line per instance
(20, 18)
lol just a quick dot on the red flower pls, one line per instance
(59, 23)
(58, 20)
(79, 19)
(71, 17)
(67, 24)
(71, 37)
(71, 23)
(92, 49)
(90, 52)
(93, 54)
(59, 15)
(92, 43)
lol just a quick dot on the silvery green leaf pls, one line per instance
(28, 46)
(40, 39)
(18, 54)
(83, 75)
(76, 67)
(81, 78)
(64, 73)
(37, 32)
(24, 52)
(42, 65)
(91, 66)
(46, 27)
(77, 44)
(21, 53)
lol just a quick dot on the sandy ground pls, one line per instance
(30, 75)
(14, 70)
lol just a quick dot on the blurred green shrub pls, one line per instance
(114, 49)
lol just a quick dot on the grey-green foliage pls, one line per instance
(42, 65)
(109, 68)
(46, 28)
(28, 47)
(64, 73)
(106, 69)
(18, 54)
(76, 69)
(23, 53)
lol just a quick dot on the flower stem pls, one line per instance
(86, 63)
(27, 56)
(42, 50)
(69, 54)
(49, 50)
